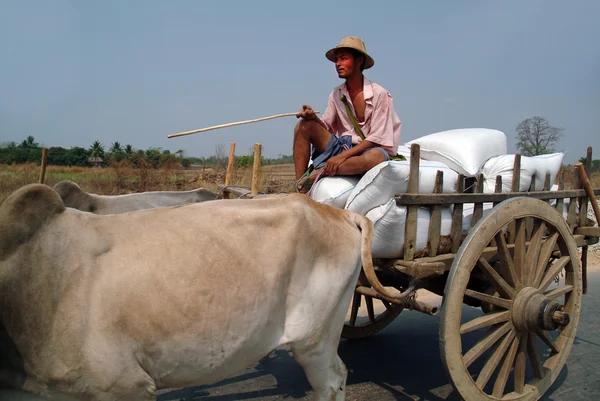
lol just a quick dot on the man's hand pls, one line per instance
(307, 113)
(332, 165)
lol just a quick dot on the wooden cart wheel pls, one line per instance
(517, 349)
(379, 314)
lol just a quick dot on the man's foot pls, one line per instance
(305, 183)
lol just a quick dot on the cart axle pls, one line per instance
(533, 311)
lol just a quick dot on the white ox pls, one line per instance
(74, 197)
(120, 306)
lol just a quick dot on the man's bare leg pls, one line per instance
(308, 132)
(361, 164)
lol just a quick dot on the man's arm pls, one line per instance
(307, 113)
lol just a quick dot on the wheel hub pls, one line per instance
(533, 311)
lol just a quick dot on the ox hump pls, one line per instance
(24, 212)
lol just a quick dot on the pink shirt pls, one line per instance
(381, 125)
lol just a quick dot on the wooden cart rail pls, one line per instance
(469, 190)
(451, 199)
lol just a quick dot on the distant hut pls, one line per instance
(95, 161)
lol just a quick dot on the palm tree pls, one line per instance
(97, 150)
(129, 149)
(116, 148)
(29, 143)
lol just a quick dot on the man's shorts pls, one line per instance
(336, 146)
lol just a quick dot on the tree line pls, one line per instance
(535, 136)
(30, 151)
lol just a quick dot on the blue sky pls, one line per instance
(134, 71)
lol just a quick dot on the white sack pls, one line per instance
(334, 191)
(463, 150)
(382, 182)
(468, 209)
(503, 166)
(549, 163)
(404, 150)
(389, 221)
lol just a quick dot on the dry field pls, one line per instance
(125, 179)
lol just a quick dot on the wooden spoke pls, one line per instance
(545, 253)
(557, 292)
(506, 262)
(533, 253)
(486, 343)
(485, 321)
(370, 311)
(355, 308)
(545, 337)
(357, 326)
(502, 378)
(520, 365)
(499, 283)
(553, 271)
(534, 356)
(520, 250)
(492, 363)
(501, 302)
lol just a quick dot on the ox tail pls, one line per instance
(366, 227)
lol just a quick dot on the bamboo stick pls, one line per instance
(256, 120)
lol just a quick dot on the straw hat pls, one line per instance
(352, 42)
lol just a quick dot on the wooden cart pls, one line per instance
(523, 262)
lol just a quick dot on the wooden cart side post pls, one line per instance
(43, 165)
(457, 217)
(410, 228)
(547, 183)
(583, 202)
(435, 224)
(478, 207)
(561, 185)
(572, 211)
(583, 217)
(256, 168)
(498, 188)
(516, 184)
(584, 251)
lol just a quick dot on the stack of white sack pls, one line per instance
(384, 181)
(463, 150)
(537, 166)
(389, 221)
(334, 191)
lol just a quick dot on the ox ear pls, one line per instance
(24, 212)
(67, 189)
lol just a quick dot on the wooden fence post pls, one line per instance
(256, 168)
(230, 163)
(44, 162)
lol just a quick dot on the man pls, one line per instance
(338, 147)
